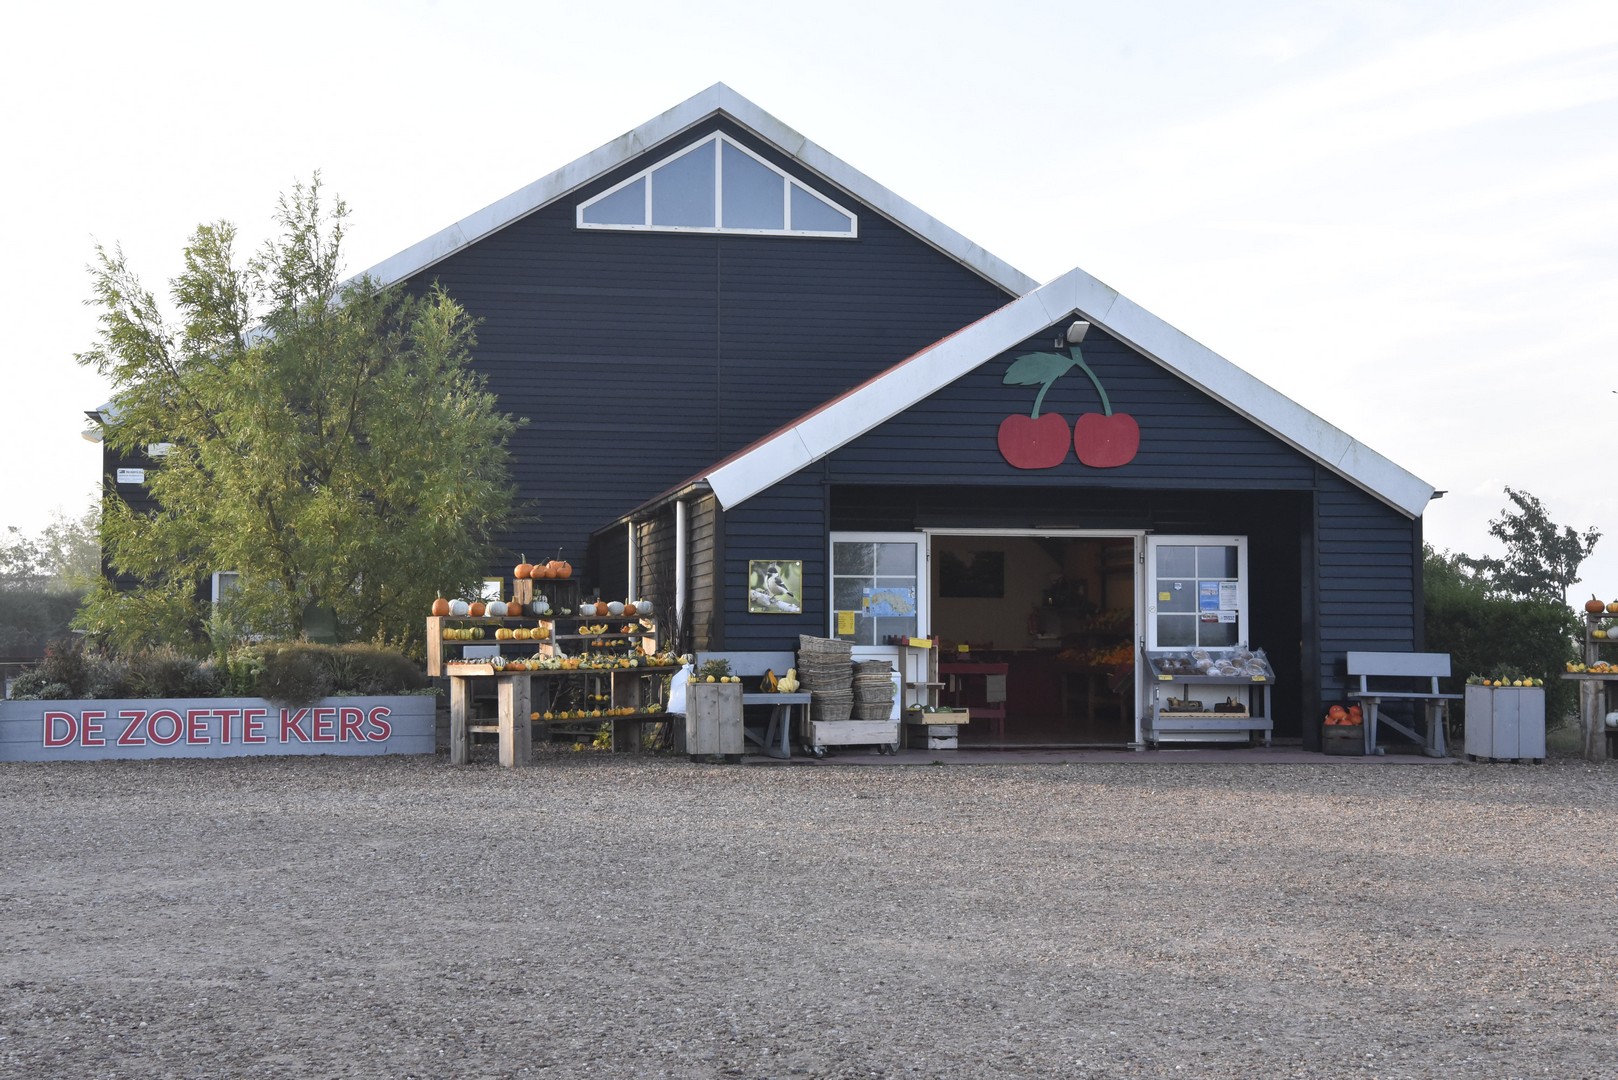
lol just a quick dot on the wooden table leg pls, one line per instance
(460, 715)
(516, 731)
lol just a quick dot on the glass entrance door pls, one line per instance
(1196, 592)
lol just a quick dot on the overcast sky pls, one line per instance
(1402, 215)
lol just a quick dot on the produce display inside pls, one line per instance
(1208, 695)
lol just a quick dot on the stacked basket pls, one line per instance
(873, 690)
(826, 669)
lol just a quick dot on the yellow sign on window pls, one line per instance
(845, 623)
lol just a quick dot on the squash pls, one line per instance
(476, 609)
(1336, 715)
(440, 606)
(1594, 606)
(513, 608)
(495, 609)
(522, 569)
(769, 684)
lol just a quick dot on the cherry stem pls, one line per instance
(1106, 402)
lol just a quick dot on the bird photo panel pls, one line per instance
(775, 586)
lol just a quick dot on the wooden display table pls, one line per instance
(1596, 699)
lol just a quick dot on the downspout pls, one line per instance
(634, 581)
(680, 557)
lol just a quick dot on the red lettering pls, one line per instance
(253, 725)
(225, 717)
(90, 732)
(52, 720)
(196, 732)
(132, 735)
(320, 724)
(291, 725)
(379, 720)
(176, 727)
(349, 720)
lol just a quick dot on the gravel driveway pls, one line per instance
(600, 916)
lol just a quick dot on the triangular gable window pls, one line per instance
(717, 186)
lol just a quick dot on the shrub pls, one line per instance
(295, 675)
(164, 672)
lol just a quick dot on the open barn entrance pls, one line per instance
(1037, 636)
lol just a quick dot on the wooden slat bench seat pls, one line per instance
(1387, 677)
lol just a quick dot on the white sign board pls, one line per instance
(132, 476)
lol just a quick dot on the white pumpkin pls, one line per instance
(615, 608)
(496, 609)
(459, 608)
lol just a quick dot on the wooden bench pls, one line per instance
(1396, 675)
(751, 666)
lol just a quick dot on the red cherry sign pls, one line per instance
(1034, 442)
(1105, 442)
(1102, 440)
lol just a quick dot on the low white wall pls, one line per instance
(214, 728)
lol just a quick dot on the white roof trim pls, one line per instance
(717, 99)
(835, 424)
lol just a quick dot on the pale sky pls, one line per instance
(1401, 214)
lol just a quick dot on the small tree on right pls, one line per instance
(1542, 558)
(1511, 611)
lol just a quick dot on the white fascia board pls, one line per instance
(823, 431)
(718, 98)
(1257, 401)
(1075, 293)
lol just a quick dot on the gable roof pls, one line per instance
(843, 419)
(717, 100)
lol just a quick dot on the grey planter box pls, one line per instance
(713, 719)
(84, 730)
(1505, 722)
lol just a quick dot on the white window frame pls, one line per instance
(218, 584)
(1149, 578)
(718, 141)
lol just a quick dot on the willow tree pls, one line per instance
(328, 441)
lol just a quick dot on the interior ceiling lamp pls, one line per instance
(1074, 335)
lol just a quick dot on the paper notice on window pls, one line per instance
(1227, 596)
(845, 624)
(1227, 616)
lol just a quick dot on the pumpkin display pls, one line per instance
(440, 606)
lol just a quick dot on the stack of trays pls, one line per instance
(873, 690)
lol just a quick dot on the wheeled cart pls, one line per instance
(817, 735)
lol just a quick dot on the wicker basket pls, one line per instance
(830, 705)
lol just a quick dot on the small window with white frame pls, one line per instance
(717, 185)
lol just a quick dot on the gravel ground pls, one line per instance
(599, 916)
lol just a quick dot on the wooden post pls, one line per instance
(516, 732)
(460, 709)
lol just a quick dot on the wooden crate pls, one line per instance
(1344, 740)
(713, 718)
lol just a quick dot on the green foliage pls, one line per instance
(43, 580)
(301, 674)
(331, 443)
(1542, 558)
(1485, 632)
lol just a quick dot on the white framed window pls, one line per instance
(878, 586)
(224, 583)
(1196, 592)
(718, 186)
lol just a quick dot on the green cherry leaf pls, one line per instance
(1037, 369)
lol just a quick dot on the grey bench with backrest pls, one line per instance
(1387, 677)
(751, 666)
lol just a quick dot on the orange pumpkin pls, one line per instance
(513, 608)
(1336, 715)
(440, 606)
(1355, 716)
(601, 607)
(629, 609)
(477, 609)
(1594, 606)
(522, 569)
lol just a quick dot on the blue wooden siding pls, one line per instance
(786, 522)
(641, 358)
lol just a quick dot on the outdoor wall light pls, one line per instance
(1076, 332)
